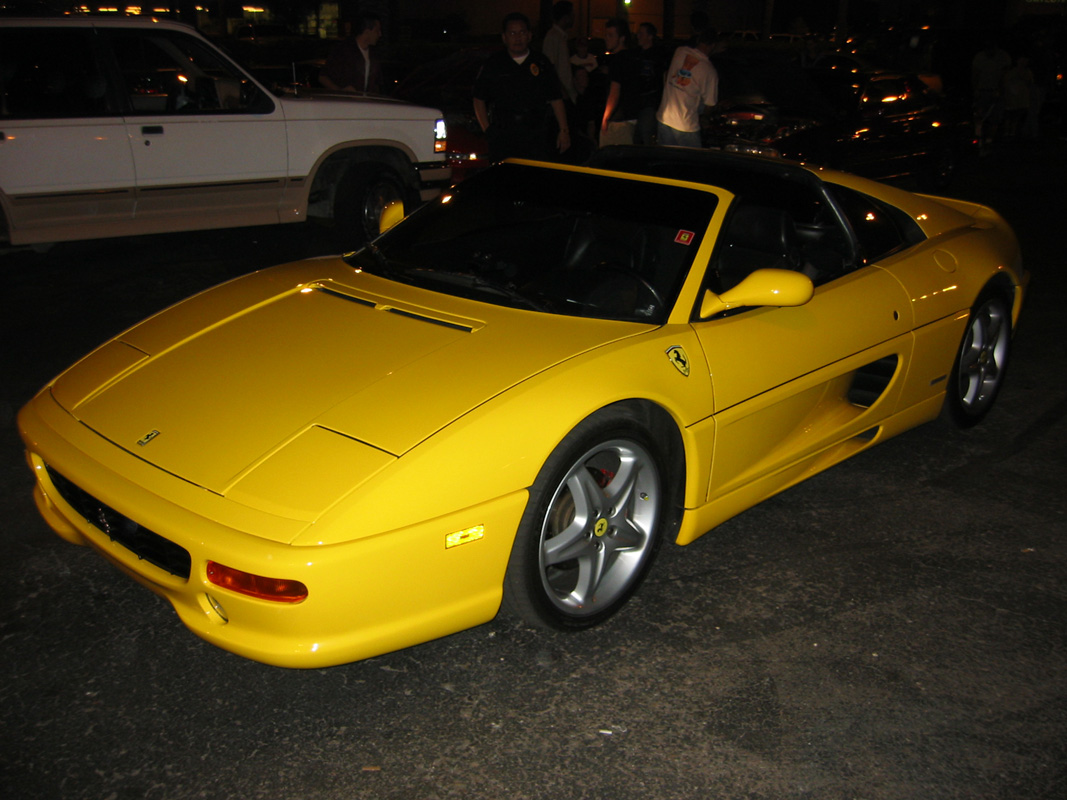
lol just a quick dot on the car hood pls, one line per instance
(215, 386)
(325, 105)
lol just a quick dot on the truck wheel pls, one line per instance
(364, 191)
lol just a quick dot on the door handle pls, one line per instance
(151, 130)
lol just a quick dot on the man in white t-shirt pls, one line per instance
(692, 84)
(555, 46)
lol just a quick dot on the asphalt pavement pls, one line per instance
(895, 627)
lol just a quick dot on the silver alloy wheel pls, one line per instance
(983, 356)
(600, 527)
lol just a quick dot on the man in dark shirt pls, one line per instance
(624, 86)
(652, 67)
(516, 95)
(350, 66)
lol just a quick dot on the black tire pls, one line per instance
(981, 362)
(591, 528)
(364, 192)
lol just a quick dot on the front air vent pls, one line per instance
(871, 380)
(140, 541)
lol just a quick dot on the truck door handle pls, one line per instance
(151, 130)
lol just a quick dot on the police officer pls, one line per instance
(516, 94)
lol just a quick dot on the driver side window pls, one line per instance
(170, 73)
(790, 228)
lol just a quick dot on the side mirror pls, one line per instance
(391, 214)
(764, 287)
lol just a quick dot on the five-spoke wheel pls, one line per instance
(981, 362)
(591, 527)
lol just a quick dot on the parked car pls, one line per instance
(514, 396)
(112, 127)
(448, 83)
(877, 123)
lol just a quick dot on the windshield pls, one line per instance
(551, 240)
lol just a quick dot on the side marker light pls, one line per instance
(464, 537)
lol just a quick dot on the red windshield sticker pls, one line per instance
(684, 237)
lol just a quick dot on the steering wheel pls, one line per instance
(628, 272)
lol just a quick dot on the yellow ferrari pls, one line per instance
(513, 397)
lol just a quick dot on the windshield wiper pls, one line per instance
(383, 267)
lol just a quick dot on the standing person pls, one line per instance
(622, 104)
(987, 74)
(516, 94)
(1017, 86)
(652, 65)
(692, 84)
(557, 50)
(350, 67)
(582, 57)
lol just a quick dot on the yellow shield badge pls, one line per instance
(677, 356)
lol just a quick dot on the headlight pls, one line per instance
(440, 136)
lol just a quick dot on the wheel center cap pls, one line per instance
(600, 528)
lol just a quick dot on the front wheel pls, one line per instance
(591, 527)
(362, 196)
(981, 362)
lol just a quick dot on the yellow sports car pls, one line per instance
(514, 396)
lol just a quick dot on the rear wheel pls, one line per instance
(981, 362)
(591, 527)
(364, 192)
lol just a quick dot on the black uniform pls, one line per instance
(519, 96)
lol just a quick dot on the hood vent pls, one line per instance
(422, 316)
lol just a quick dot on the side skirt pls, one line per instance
(698, 521)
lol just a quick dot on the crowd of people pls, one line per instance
(1008, 97)
(562, 101)
(637, 92)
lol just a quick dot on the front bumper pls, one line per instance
(366, 597)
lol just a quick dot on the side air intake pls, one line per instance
(871, 381)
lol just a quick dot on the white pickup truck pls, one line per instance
(114, 127)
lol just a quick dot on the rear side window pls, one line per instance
(52, 74)
(880, 229)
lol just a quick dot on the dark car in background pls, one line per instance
(838, 112)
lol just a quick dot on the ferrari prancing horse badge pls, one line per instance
(679, 358)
